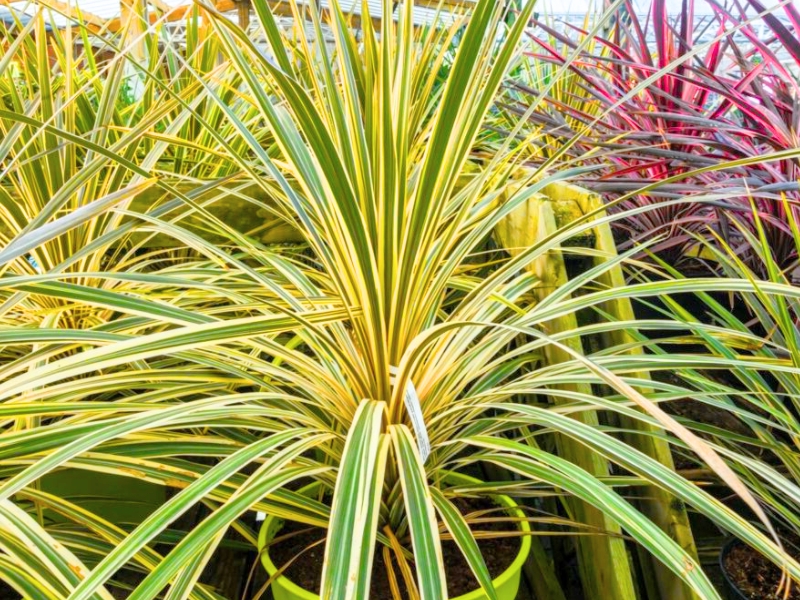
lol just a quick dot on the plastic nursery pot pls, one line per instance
(506, 584)
(733, 591)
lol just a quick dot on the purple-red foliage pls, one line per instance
(725, 89)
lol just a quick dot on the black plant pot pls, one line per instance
(732, 590)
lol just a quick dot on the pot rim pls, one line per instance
(498, 581)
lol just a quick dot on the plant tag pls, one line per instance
(260, 516)
(414, 408)
(32, 262)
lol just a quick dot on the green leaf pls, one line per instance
(352, 531)
(28, 241)
(535, 464)
(420, 515)
(462, 536)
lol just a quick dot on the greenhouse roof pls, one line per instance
(101, 12)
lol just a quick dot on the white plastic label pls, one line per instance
(414, 409)
(260, 516)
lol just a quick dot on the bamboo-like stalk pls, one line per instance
(661, 507)
(603, 559)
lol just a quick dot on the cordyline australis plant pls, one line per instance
(233, 370)
(664, 95)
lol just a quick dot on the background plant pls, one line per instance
(751, 373)
(730, 96)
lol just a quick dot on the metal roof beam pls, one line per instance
(64, 9)
(282, 8)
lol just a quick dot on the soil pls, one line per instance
(755, 576)
(308, 546)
